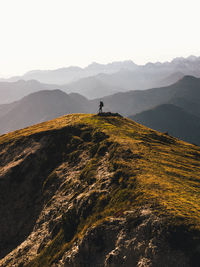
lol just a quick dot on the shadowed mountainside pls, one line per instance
(87, 190)
(185, 92)
(172, 119)
(40, 106)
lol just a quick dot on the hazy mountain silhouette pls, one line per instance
(70, 74)
(91, 87)
(99, 80)
(44, 105)
(132, 80)
(38, 107)
(12, 91)
(172, 78)
(184, 93)
(134, 76)
(153, 74)
(175, 120)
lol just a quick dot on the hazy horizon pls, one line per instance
(93, 62)
(54, 34)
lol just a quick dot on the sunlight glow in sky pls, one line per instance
(49, 34)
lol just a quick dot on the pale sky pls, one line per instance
(49, 34)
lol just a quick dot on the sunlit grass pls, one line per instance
(164, 174)
(169, 171)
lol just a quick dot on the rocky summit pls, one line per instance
(90, 191)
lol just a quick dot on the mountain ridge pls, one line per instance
(91, 189)
(39, 107)
(137, 101)
(99, 80)
(184, 94)
(188, 66)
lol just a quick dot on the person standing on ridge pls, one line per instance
(101, 106)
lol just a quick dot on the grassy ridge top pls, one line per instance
(167, 174)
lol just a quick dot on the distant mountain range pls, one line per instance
(181, 115)
(153, 72)
(98, 80)
(12, 91)
(184, 93)
(39, 107)
(92, 87)
(182, 97)
(73, 73)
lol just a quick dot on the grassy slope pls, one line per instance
(163, 172)
(170, 170)
(169, 173)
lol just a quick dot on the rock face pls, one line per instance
(135, 240)
(74, 192)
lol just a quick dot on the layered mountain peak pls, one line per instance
(189, 87)
(88, 190)
(189, 79)
(40, 106)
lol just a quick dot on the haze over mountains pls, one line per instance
(186, 66)
(12, 91)
(39, 107)
(185, 92)
(182, 97)
(179, 114)
(31, 101)
(73, 73)
(98, 80)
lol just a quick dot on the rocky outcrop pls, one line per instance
(39, 184)
(132, 240)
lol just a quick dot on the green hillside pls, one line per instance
(105, 168)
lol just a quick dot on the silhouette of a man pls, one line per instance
(101, 106)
